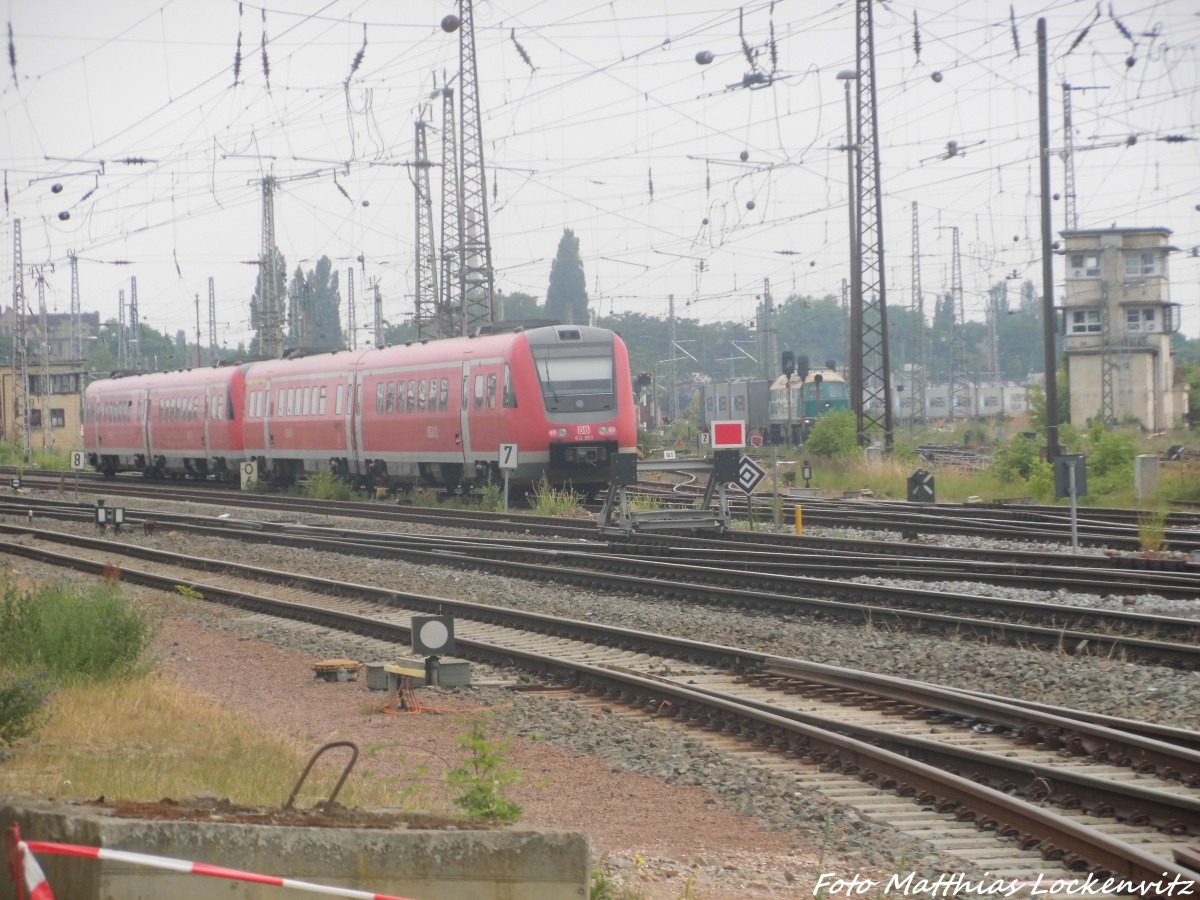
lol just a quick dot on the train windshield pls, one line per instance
(575, 375)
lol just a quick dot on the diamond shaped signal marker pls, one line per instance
(750, 474)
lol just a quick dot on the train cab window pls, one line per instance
(421, 396)
(479, 392)
(510, 393)
(491, 390)
(444, 400)
(338, 399)
(321, 401)
(412, 397)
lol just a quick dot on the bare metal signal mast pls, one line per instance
(871, 389)
(427, 299)
(476, 273)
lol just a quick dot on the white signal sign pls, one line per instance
(750, 474)
(508, 456)
(78, 460)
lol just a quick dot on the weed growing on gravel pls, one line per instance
(551, 501)
(482, 778)
(326, 486)
(1152, 530)
(491, 497)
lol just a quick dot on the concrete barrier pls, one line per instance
(446, 863)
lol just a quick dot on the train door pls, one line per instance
(463, 439)
(353, 422)
(268, 408)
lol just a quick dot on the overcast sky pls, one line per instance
(130, 118)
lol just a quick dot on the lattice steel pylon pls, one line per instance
(351, 315)
(122, 333)
(872, 384)
(1068, 158)
(918, 380)
(451, 304)
(425, 315)
(212, 319)
(270, 314)
(478, 277)
(76, 329)
(20, 356)
(135, 328)
(1108, 364)
(960, 383)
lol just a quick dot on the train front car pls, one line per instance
(797, 402)
(580, 376)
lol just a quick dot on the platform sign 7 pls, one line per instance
(508, 456)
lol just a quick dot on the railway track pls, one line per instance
(1024, 791)
(1153, 639)
(1116, 529)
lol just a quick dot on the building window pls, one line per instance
(1140, 320)
(1141, 263)
(1085, 321)
(35, 418)
(1084, 265)
(58, 418)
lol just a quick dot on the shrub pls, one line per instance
(67, 633)
(835, 435)
(22, 699)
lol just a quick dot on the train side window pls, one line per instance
(338, 399)
(412, 397)
(433, 394)
(421, 395)
(379, 397)
(491, 390)
(445, 398)
(321, 401)
(291, 401)
(227, 407)
(305, 399)
(464, 392)
(479, 391)
(388, 390)
(510, 393)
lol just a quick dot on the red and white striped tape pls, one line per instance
(36, 885)
(183, 865)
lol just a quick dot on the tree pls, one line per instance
(519, 307)
(313, 302)
(566, 296)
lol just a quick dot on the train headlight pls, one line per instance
(608, 430)
(558, 432)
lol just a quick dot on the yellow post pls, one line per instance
(799, 520)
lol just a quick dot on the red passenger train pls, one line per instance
(434, 413)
